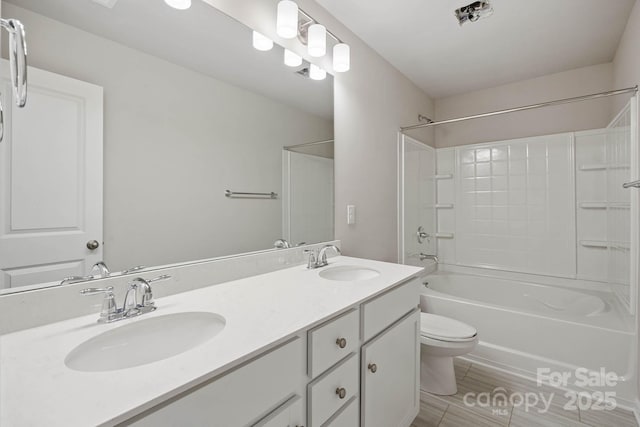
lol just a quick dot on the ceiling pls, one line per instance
(523, 39)
(202, 39)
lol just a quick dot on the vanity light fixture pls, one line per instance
(317, 73)
(317, 40)
(291, 59)
(287, 19)
(292, 21)
(179, 4)
(341, 58)
(262, 42)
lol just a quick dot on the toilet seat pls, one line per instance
(442, 328)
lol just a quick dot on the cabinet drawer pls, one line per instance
(325, 340)
(237, 398)
(322, 394)
(347, 416)
(385, 309)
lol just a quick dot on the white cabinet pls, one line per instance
(238, 398)
(390, 375)
(358, 368)
(329, 392)
(333, 341)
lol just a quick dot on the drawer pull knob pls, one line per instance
(341, 392)
(342, 342)
(373, 367)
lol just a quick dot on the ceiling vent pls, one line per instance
(474, 11)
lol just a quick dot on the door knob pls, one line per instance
(92, 245)
(341, 342)
(373, 368)
(341, 392)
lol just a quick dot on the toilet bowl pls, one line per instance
(442, 339)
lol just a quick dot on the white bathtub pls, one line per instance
(523, 326)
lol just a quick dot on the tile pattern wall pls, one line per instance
(514, 206)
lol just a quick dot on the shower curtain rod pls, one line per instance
(524, 108)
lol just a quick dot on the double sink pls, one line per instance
(160, 337)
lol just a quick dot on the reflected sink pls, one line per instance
(349, 273)
(145, 341)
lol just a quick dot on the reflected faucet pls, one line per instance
(281, 244)
(424, 257)
(99, 270)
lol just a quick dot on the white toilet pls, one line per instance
(442, 339)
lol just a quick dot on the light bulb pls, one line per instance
(317, 73)
(317, 40)
(179, 4)
(341, 58)
(287, 19)
(291, 59)
(261, 42)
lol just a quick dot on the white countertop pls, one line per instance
(37, 388)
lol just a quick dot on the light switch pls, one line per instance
(351, 214)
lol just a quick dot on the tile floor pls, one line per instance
(451, 411)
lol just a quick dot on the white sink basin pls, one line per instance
(145, 341)
(348, 273)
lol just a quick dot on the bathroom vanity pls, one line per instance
(331, 346)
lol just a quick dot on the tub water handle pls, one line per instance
(421, 235)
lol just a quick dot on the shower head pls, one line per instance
(474, 11)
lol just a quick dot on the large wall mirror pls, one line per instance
(132, 135)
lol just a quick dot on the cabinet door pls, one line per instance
(391, 375)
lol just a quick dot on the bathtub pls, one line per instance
(523, 326)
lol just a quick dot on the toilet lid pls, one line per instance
(444, 328)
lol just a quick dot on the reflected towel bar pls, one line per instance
(272, 195)
(635, 184)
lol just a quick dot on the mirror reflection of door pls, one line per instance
(307, 197)
(51, 180)
(419, 202)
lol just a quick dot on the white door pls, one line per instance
(391, 388)
(50, 180)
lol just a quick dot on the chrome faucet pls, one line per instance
(319, 259)
(425, 257)
(138, 287)
(281, 244)
(99, 270)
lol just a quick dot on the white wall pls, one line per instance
(564, 118)
(626, 64)
(626, 72)
(170, 153)
(372, 101)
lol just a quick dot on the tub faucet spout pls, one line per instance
(425, 257)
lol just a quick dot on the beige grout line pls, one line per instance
(443, 414)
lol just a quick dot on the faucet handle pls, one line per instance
(95, 291)
(134, 269)
(109, 306)
(313, 257)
